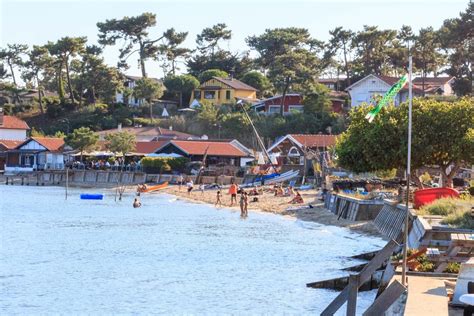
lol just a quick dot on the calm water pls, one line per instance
(169, 256)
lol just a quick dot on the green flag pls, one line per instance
(387, 97)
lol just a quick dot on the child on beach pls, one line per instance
(180, 181)
(202, 187)
(136, 203)
(243, 203)
(218, 198)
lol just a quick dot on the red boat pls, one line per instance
(426, 196)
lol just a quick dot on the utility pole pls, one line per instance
(407, 215)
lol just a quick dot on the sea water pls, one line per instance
(167, 257)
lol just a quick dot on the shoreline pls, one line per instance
(278, 205)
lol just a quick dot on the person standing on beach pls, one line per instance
(246, 204)
(190, 186)
(180, 181)
(218, 198)
(233, 194)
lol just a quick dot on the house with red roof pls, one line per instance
(229, 152)
(292, 149)
(36, 153)
(369, 88)
(12, 128)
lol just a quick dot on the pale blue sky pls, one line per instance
(36, 22)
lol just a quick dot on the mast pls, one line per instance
(407, 215)
(259, 140)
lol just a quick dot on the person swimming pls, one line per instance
(136, 203)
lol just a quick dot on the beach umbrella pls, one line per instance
(195, 104)
(165, 113)
(186, 110)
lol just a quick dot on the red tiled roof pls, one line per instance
(13, 122)
(148, 147)
(393, 80)
(10, 144)
(50, 143)
(435, 81)
(313, 140)
(236, 84)
(216, 148)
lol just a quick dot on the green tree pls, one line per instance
(442, 136)
(64, 49)
(134, 31)
(38, 63)
(182, 85)
(12, 56)
(289, 55)
(121, 142)
(208, 40)
(340, 42)
(258, 81)
(426, 53)
(148, 89)
(208, 74)
(236, 63)
(372, 48)
(82, 139)
(457, 38)
(171, 52)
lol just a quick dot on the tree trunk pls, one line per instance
(346, 65)
(16, 97)
(423, 81)
(180, 99)
(448, 177)
(69, 84)
(40, 96)
(151, 110)
(283, 96)
(142, 59)
(93, 94)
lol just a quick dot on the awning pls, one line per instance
(163, 155)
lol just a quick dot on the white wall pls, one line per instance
(12, 134)
(366, 89)
(33, 145)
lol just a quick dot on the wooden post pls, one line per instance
(386, 299)
(352, 297)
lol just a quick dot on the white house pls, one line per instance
(12, 128)
(36, 153)
(130, 83)
(368, 88)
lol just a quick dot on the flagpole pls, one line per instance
(407, 215)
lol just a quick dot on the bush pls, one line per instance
(159, 165)
(453, 267)
(8, 108)
(54, 107)
(457, 212)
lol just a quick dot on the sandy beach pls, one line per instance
(278, 205)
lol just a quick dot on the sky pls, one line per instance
(35, 22)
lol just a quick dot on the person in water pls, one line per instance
(233, 193)
(218, 198)
(243, 203)
(136, 203)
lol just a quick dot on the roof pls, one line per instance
(388, 80)
(433, 80)
(148, 147)
(13, 122)
(213, 148)
(135, 78)
(234, 83)
(308, 140)
(150, 131)
(50, 143)
(10, 144)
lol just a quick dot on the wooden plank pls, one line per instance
(386, 299)
(352, 297)
(364, 275)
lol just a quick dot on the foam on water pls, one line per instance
(168, 256)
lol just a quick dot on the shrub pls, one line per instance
(8, 108)
(457, 212)
(426, 267)
(453, 267)
(54, 107)
(460, 219)
(159, 165)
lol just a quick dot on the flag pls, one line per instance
(387, 97)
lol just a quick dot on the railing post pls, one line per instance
(353, 291)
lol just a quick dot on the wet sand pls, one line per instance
(278, 205)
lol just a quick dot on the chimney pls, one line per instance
(1, 116)
(119, 127)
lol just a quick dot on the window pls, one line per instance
(295, 109)
(274, 109)
(197, 94)
(209, 95)
(227, 95)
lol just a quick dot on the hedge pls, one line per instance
(163, 164)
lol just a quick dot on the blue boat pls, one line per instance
(92, 196)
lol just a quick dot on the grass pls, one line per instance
(457, 212)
